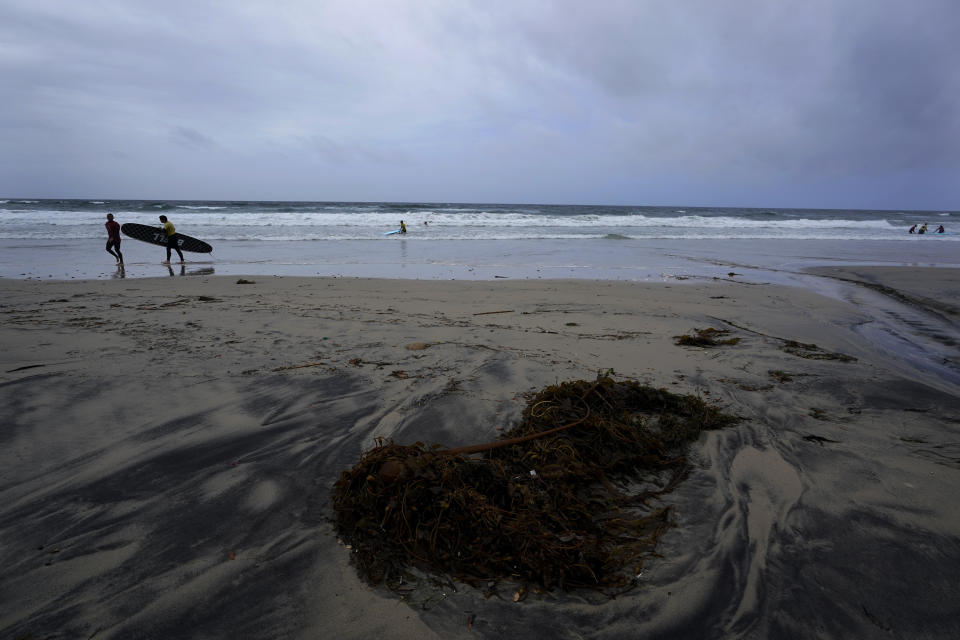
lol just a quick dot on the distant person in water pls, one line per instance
(913, 229)
(940, 229)
(923, 229)
(403, 227)
(170, 232)
(113, 239)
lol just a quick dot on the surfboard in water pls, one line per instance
(155, 235)
(390, 233)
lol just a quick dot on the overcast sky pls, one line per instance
(806, 103)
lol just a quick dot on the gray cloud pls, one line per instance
(192, 138)
(697, 102)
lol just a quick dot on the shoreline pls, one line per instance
(597, 259)
(171, 444)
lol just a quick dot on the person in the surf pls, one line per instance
(913, 229)
(113, 239)
(170, 230)
(403, 227)
(940, 229)
(923, 229)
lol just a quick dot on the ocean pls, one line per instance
(63, 239)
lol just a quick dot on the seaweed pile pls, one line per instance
(562, 500)
(709, 337)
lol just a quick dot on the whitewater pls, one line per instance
(64, 239)
(317, 221)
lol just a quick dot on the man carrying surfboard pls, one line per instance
(169, 230)
(113, 239)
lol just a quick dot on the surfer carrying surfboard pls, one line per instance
(170, 232)
(113, 239)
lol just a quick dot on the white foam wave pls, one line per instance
(213, 222)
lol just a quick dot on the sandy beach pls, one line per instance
(169, 446)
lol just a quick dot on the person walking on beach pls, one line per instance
(113, 239)
(170, 230)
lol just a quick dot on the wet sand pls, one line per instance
(169, 445)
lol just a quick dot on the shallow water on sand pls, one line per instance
(600, 259)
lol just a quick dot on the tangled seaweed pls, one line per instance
(709, 337)
(562, 500)
(813, 352)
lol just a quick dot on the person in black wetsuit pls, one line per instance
(113, 239)
(169, 229)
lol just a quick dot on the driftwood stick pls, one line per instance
(300, 366)
(489, 446)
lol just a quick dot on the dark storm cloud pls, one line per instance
(896, 86)
(739, 102)
(857, 85)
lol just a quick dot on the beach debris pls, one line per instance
(417, 346)
(811, 351)
(568, 498)
(749, 386)
(298, 366)
(819, 439)
(709, 337)
(25, 367)
(487, 313)
(806, 350)
(242, 281)
(780, 376)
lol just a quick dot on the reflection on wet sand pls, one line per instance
(200, 271)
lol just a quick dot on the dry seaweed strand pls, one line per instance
(547, 504)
